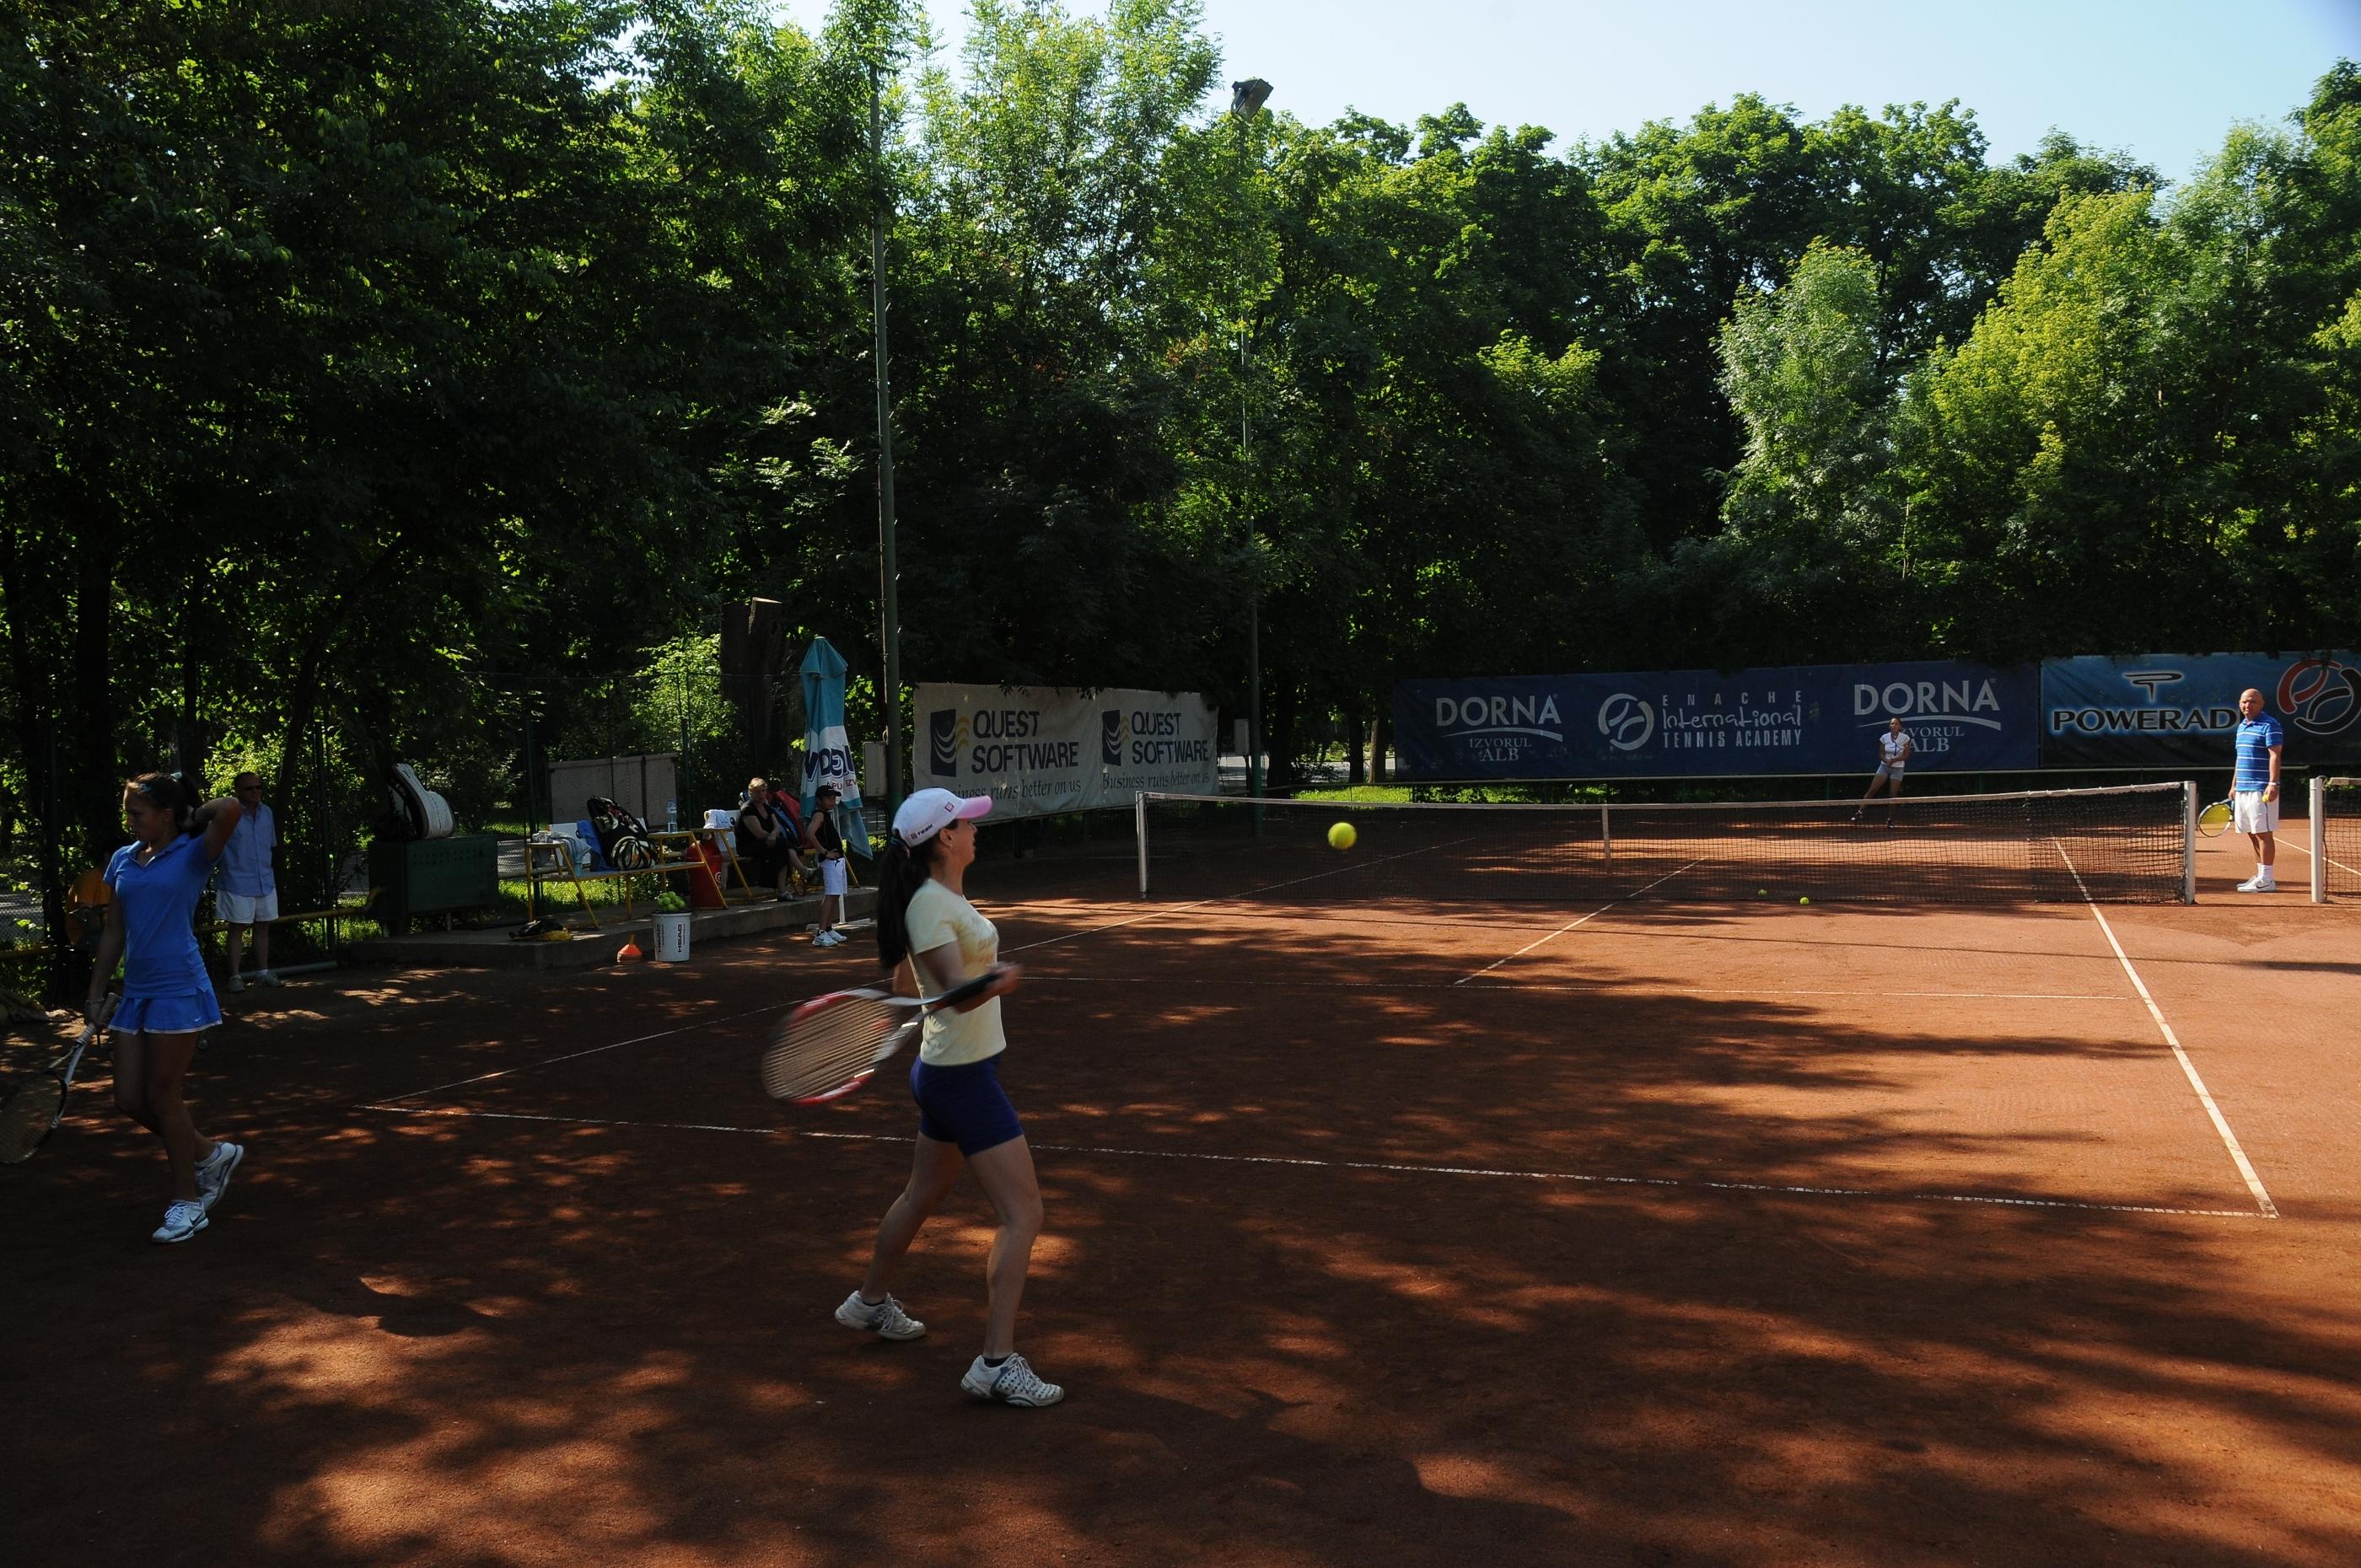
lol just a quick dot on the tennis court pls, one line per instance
(1684, 1223)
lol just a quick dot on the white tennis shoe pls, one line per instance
(185, 1219)
(886, 1319)
(212, 1176)
(2259, 885)
(1011, 1383)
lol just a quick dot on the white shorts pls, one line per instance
(240, 911)
(2250, 813)
(1891, 771)
(832, 878)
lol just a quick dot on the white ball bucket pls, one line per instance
(672, 938)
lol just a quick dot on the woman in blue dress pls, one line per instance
(167, 1000)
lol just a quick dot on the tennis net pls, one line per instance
(2335, 833)
(2126, 845)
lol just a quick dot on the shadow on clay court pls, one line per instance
(433, 1334)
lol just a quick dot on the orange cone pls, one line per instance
(629, 951)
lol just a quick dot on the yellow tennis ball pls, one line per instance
(1802, 901)
(1761, 893)
(1341, 836)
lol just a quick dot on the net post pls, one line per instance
(2189, 840)
(1140, 835)
(1605, 832)
(2316, 829)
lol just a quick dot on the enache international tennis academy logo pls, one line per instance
(946, 739)
(1627, 721)
(2321, 696)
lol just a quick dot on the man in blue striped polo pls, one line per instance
(2254, 788)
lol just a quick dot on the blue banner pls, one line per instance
(828, 755)
(2169, 710)
(1813, 718)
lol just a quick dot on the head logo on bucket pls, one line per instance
(945, 735)
(1110, 737)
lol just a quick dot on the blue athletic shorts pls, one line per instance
(964, 1105)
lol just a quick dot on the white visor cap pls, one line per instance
(930, 811)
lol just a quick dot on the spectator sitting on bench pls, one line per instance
(767, 840)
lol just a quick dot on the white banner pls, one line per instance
(1041, 749)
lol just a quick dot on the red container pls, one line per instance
(705, 882)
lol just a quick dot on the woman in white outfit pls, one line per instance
(1894, 751)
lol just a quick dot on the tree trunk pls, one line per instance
(753, 641)
(92, 773)
(1282, 713)
(1356, 735)
(1381, 741)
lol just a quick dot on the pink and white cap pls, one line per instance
(930, 811)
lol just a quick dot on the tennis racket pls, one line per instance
(2214, 817)
(832, 1045)
(34, 1107)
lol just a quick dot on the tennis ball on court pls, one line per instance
(1761, 893)
(1805, 900)
(1341, 836)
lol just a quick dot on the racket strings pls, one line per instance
(827, 1047)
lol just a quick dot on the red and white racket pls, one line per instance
(832, 1045)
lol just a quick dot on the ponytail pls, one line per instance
(900, 870)
(170, 792)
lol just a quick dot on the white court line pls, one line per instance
(2204, 1096)
(1385, 1167)
(1570, 925)
(546, 1061)
(2305, 850)
(1516, 987)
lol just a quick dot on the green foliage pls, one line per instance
(384, 385)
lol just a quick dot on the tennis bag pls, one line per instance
(422, 812)
(623, 838)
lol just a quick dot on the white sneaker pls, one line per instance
(1012, 1383)
(885, 1319)
(212, 1176)
(185, 1219)
(2258, 884)
(236, 982)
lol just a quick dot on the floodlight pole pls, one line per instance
(889, 605)
(1245, 102)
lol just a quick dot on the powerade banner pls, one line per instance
(1039, 749)
(1812, 719)
(828, 755)
(2165, 710)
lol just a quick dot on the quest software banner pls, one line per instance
(1814, 718)
(2169, 710)
(1039, 750)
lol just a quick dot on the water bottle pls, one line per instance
(672, 815)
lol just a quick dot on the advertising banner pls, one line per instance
(1812, 719)
(1041, 749)
(827, 755)
(2169, 710)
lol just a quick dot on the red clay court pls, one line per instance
(1684, 1225)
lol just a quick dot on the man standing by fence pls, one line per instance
(248, 894)
(2254, 788)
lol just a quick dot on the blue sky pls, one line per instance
(2162, 78)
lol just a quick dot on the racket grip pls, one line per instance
(966, 989)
